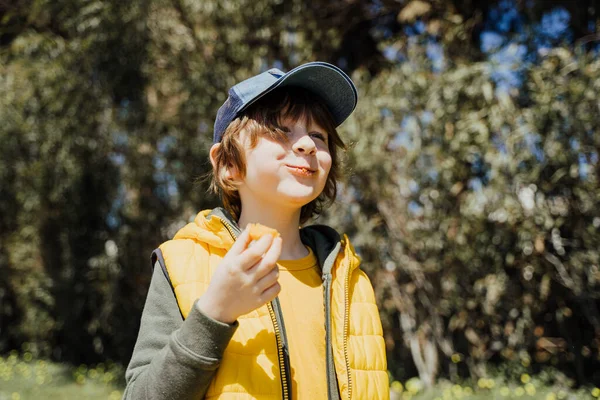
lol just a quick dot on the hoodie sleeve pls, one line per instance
(174, 358)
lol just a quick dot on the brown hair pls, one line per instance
(264, 118)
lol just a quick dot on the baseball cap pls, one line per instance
(323, 79)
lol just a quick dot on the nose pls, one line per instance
(304, 145)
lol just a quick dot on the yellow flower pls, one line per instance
(15, 396)
(487, 383)
(550, 396)
(596, 392)
(482, 383)
(447, 394)
(530, 389)
(397, 386)
(115, 395)
(519, 392)
(505, 391)
(414, 385)
(455, 358)
(525, 378)
(108, 377)
(457, 390)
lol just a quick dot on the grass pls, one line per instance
(23, 378)
(490, 389)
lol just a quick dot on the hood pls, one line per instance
(215, 228)
(211, 227)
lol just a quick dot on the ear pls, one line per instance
(230, 172)
(213, 154)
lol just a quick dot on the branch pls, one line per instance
(562, 272)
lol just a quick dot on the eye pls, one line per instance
(286, 130)
(319, 135)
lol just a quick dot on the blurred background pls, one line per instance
(471, 189)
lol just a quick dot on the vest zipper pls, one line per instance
(230, 228)
(279, 328)
(347, 326)
(282, 348)
(331, 394)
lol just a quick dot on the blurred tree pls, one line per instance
(482, 209)
(59, 87)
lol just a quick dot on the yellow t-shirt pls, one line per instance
(301, 299)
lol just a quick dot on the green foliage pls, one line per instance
(62, 98)
(484, 206)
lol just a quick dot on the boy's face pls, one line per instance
(286, 174)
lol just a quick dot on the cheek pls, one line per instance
(325, 162)
(262, 166)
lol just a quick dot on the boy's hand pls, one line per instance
(245, 279)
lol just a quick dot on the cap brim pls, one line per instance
(325, 80)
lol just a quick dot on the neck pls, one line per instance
(286, 222)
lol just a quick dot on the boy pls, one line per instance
(286, 316)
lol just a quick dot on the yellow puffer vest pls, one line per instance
(251, 367)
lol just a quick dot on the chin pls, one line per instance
(300, 201)
(304, 193)
(297, 199)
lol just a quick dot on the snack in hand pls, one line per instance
(257, 231)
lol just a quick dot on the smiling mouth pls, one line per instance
(301, 171)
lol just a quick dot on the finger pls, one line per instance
(268, 279)
(254, 254)
(270, 293)
(241, 243)
(268, 261)
(272, 255)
